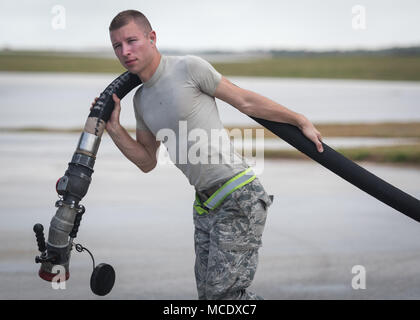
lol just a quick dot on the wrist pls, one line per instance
(113, 129)
(300, 121)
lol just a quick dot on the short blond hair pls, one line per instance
(125, 17)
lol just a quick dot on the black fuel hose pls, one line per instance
(122, 85)
(346, 169)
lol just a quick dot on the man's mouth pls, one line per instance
(130, 62)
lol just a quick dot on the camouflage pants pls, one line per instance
(227, 240)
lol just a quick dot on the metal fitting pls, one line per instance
(83, 160)
(59, 203)
(88, 143)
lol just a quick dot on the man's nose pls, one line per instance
(125, 49)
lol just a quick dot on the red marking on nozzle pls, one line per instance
(48, 276)
(56, 184)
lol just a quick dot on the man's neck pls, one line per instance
(146, 74)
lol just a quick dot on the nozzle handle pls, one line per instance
(39, 233)
(77, 220)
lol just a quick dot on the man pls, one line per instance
(230, 205)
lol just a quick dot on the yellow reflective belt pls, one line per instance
(220, 194)
(198, 207)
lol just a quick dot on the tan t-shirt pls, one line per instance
(177, 105)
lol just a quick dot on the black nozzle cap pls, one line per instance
(38, 228)
(102, 279)
(39, 233)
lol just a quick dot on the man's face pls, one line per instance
(132, 46)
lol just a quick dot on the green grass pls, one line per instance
(334, 67)
(379, 67)
(36, 62)
(377, 130)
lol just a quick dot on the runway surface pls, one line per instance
(319, 227)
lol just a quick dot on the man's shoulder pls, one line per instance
(187, 60)
(137, 93)
(180, 66)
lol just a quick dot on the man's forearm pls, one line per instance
(264, 108)
(133, 150)
(261, 107)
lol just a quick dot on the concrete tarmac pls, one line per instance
(318, 229)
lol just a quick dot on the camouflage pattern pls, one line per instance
(227, 240)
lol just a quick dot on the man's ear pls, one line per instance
(152, 37)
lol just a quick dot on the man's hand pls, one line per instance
(309, 130)
(142, 151)
(114, 121)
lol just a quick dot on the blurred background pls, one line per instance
(351, 67)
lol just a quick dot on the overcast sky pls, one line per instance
(216, 24)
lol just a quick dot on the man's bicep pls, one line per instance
(147, 139)
(230, 93)
(203, 74)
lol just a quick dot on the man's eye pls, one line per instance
(131, 40)
(117, 46)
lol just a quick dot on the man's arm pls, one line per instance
(142, 151)
(258, 106)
